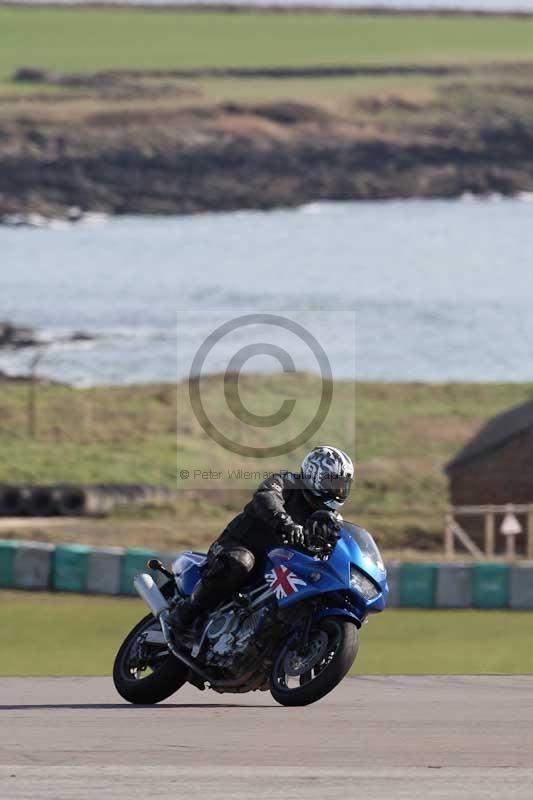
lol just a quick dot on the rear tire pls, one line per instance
(323, 677)
(167, 678)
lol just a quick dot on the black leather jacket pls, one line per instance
(277, 503)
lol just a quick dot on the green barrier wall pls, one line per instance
(70, 568)
(133, 561)
(413, 585)
(8, 550)
(417, 585)
(490, 585)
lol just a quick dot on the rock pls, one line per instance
(35, 219)
(11, 336)
(80, 336)
(32, 74)
(74, 214)
(233, 156)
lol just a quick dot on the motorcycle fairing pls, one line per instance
(187, 570)
(294, 576)
(355, 547)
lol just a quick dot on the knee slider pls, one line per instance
(244, 559)
(219, 568)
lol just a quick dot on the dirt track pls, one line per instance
(385, 737)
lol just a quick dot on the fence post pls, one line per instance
(529, 548)
(510, 547)
(32, 393)
(489, 532)
(449, 541)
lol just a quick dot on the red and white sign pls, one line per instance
(510, 525)
(284, 582)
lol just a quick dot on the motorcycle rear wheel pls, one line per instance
(332, 660)
(166, 677)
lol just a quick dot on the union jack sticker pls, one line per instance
(283, 582)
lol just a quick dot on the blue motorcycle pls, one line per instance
(293, 632)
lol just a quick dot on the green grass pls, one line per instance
(90, 39)
(401, 434)
(103, 435)
(335, 94)
(413, 642)
(46, 634)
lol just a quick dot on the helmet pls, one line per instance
(327, 474)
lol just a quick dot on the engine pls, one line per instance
(230, 636)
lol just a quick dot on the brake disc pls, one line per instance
(296, 663)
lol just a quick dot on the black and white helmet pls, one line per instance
(327, 473)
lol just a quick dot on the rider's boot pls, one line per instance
(183, 615)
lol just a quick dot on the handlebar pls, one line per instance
(323, 546)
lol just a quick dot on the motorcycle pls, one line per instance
(294, 631)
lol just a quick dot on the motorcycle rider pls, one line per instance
(279, 513)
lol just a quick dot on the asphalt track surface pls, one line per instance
(400, 738)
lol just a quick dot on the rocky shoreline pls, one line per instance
(221, 172)
(472, 138)
(16, 337)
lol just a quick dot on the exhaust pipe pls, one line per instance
(148, 591)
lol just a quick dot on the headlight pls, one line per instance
(362, 584)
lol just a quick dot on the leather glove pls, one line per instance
(323, 525)
(295, 537)
(291, 533)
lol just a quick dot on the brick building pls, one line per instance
(495, 468)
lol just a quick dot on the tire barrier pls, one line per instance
(32, 568)
(8, 551)
(133, 561)
(521, 586)
(454, 586)
(78, 501)
(14, 500)
(110, 571)
(393, 579)
(104, 570)
(70, 568)
(490, 585)
(84, 502)
(417, 585)
(41, 502)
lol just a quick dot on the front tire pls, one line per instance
(318, 671)
(167, 675)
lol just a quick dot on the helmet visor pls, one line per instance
(336, 488)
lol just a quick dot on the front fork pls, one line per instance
(298, 627)
(299, 636)
(303, 642)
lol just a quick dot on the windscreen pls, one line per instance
(365, 542)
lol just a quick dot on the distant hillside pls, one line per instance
(178, 112)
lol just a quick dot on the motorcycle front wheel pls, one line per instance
(301, 678)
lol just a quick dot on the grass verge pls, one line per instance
(87, 39)
(46, 634)
(404, 434)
